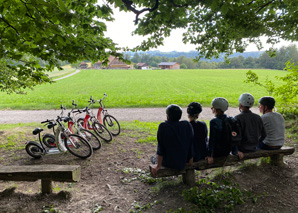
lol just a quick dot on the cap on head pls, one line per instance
(174, 112)
(194, 108)
(246, 100)
(220, 103)
(267, 101)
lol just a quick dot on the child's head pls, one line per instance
(174, 112)
(267, 104)
(193, 110)
(219, 105)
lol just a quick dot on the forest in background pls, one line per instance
(250, 60)
(246, 60)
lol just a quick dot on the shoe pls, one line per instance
(153, 159)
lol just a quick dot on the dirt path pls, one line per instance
(77, 71)
(122, 114)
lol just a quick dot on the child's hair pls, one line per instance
(193, 117)
(174, 112)
(194, 108)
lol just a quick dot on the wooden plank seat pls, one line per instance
(46, 173)
(188, 173)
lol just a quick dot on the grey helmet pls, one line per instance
(220, 103)
(246, 100)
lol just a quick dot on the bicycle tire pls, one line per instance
(112, 124)
(81, 121)
(82, 148)
(49, 140)
(102, 131)
(34, 149)
(93, 140)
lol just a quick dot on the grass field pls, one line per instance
(140, 88)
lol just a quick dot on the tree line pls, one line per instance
(264, 61)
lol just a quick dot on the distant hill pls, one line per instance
(193, 54)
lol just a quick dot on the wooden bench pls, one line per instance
(46, 173)
(188, 173)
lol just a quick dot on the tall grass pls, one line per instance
(140, 88)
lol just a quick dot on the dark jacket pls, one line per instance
(217, 147)
(253, 131)
(200, 140)
(175, 143)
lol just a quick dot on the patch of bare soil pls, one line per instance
(113, 180)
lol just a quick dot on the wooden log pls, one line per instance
(46, 186)
(277, 160)
(60, 173)
(189, 177)
(226, 161)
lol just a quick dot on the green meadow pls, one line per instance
(140, 88)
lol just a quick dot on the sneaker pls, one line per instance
(153, 159)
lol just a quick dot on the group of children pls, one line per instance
(182, 142)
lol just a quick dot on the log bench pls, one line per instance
(45, 173)
(188, 174)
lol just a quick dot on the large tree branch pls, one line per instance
(9, 25)
(129, 6)
(29, 13)
(265, 5)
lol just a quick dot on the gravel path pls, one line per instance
(77, 71)
(122, 114)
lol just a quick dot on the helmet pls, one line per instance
(246, 100)
(267, 101)
(174, 112)
(220, 103)
(194, 108)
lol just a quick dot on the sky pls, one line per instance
(120, 32)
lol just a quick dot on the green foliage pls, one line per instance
(148, 139)
(252, 77)
(279, 58)
(136, 207)
(51, 31)
(157, 88)
(289, 89)
(97, 208)
(285, 88)
(56, 188)
(214, 197)
(49, 209)
(183, 66)
(249, 60)
(291, 130)
(214, 26)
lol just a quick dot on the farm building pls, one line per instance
(169, 65)
(114, 63)
(97, 65)
(83, 65)
(142, 66)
